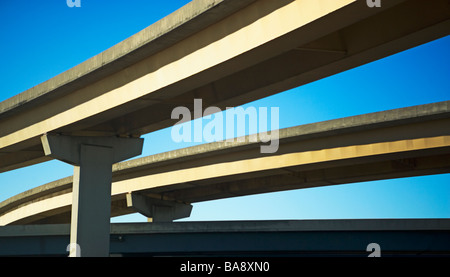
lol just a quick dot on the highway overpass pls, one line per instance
(227, 53)
(397, 143)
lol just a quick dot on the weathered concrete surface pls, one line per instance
(226, 52)
(391, 144)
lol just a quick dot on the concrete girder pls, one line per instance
(280, 238)
(247, 50)
(398, 143)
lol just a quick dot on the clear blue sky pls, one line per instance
(40, 39)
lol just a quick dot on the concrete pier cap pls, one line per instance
(67, 148)
(158, 210)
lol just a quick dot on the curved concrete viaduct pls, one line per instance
(397, 143)
(226, 52)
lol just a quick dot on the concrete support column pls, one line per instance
(93, 158)
(91, 202)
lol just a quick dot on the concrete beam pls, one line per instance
(396, 237)
(93, 158)
(398, 143)
(156, 209)
(247, 51)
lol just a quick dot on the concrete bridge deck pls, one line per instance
(226, 52)
(390, 144)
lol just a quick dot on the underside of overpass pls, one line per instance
(226, 53)
(404, 142)
(241, 50)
